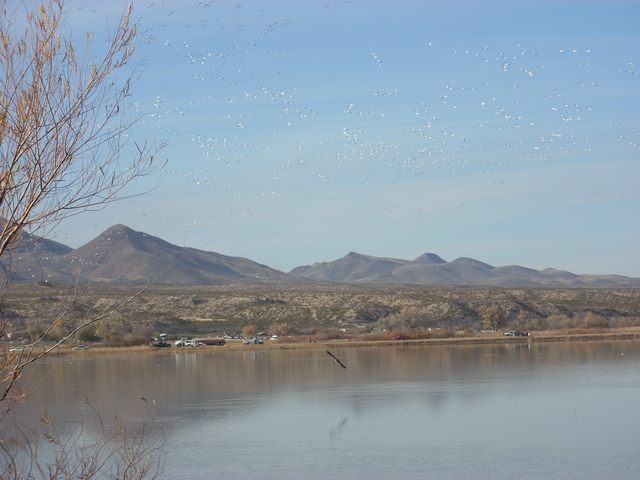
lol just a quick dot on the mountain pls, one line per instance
(123, 255)
(430, 269)
(429, 259)
(352, 268)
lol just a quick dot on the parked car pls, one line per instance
(160, 344)
(253, 341)
(401, 337)
(515, 333)
(183, 342)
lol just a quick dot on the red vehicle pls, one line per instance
(401, 337)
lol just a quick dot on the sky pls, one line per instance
(299, 131)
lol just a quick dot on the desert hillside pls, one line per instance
(210, 309)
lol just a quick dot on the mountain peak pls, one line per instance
(121, 254)
(472, 262)
(429, 259)
(118, 227)
(125, 255)
(117, 231)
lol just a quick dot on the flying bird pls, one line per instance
(333, 356)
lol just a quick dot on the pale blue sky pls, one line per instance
(302, 130)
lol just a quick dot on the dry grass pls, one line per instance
(298, 342)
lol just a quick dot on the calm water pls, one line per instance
(540, 411)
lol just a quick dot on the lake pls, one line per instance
(527, 411)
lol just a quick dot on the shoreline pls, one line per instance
(447, 341)
(234, 345)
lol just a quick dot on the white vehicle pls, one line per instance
(253, 341)
(183, 342)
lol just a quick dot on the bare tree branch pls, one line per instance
(65, 148)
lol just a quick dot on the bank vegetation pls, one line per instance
(317, 313)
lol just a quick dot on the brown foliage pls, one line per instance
(63, 127)
(250, 330)
(283, 329)
(494, 317)
(443, 333)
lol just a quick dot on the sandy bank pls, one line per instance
(231, 345)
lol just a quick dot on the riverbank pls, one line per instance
(631, 333)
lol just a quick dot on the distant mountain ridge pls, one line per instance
(123, 255)
(430, 269)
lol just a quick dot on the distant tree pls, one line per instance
(494, 317)
(409, 318)
(250, 330)
(88, 334)
(59, 329)
(143, 331)
(592, 320)
(283, 329)
(524, 320)
(35, 330)
(560, 321)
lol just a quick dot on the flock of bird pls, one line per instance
(251, 95)
(431, 116)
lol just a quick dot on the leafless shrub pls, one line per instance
(126, 341)
(557, 322)
(117, 450)
(624, 322)
(407, 319)
(381, 336)
(591, 320)
(467, 332)
(250, 331)
(283, 329)
(63, 146)
(443, 333)
(326, 334)
(494, 317)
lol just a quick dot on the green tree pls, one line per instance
(88, 334)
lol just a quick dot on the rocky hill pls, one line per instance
(430, 269)
(123, 255)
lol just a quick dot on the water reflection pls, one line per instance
(542, 410)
